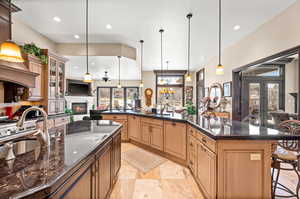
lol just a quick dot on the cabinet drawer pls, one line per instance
(192, 131)
(208, 142)
(192, 163)
(115, 117)
(61, 121)
(192, 144)
(152, 121)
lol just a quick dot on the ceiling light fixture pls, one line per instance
(119, 84)
(220, 67)
(161, 56)
(87, 77)
(9, 50)
(108, 26)
(57, 19)
(188, 76)
(237, 27)
(76, 36)
(142, 57)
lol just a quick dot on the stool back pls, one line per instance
(291, 127)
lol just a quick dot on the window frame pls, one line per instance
(111, 95)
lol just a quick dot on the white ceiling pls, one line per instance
(76, 67)
(133, 20)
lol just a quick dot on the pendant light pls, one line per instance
(220, 67)
(87, 77)
(119, 84)
(188, 76)
(9, 50)
(142, 57)
(161, 56)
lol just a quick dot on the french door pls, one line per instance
(260, 97)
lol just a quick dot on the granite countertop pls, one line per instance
(37, 168)
(220, 128)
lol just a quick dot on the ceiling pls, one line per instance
(133, 20)
(76, 67)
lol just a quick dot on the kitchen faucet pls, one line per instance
(42, 136)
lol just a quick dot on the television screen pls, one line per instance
(78, 89)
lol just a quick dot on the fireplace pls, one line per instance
(79, 108)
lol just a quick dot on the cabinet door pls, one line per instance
(52, 107)
(124, 131)
(35, 94)
(104, 172)
(116, 155)
(145, 133)
(157, 137)
(207, 171)
(82, 188)
(60, 80)
(134, 128)
(52, 75)
(192, 154)
(60, 106)
(175, 139)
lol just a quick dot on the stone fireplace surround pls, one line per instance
(80, 99)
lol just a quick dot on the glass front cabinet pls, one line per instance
(55, 87)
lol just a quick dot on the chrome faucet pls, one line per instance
(42, 136)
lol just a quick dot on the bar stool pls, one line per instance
(286, 157)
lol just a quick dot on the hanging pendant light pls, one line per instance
(142, 57)
(220, 67)
(161, 56)
(188, 77)
(9, 50)
(119, 84)
(87, 76)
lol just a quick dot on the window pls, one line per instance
(200, 88)
(117, 98)
(171, 81)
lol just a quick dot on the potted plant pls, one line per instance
(36, 51)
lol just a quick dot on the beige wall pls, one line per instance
(280, 33)
(22, 33)
(291, 85)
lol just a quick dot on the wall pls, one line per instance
(291, 85)
(22, 33)
(280, 33)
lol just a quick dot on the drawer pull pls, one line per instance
(204, 140)
(191, 163)
(114, 117)
(191, 144)
(173, 123)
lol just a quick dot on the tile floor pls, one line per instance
(167, 181)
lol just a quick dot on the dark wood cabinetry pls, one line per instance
(94, 179)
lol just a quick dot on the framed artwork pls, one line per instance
(206, 91)
(227, 86)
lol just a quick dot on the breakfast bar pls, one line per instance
(228, 159)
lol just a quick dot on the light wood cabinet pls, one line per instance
(145, 133)
(104, 172)
(55, 83)
(34, 64)
(82, 188)
(122, 119)
(134, 128)
(175, 139)
(156, 137)
(206, 170)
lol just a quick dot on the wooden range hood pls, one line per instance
(17, 73)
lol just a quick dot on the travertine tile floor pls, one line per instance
(167, 181)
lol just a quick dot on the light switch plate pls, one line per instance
(255, 156)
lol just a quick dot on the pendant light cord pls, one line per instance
(189, 16)
(161, 51)
(119, 57)
(87, 37)
(220, 31)
(10, 21)
(142, 57)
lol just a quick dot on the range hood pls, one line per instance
(17, 73)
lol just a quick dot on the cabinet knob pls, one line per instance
(191, 144)
(204, 140)
(191, 163)
(173, 123)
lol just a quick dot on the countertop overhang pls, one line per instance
(220, 128)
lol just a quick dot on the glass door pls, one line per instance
(104, 96)
(60, 80)
(52, 79)
(131, 95)
(118, 99)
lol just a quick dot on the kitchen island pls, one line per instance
(82, 161)
(229, 159)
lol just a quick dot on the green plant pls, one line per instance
(34, 50)
(70, 112)
(191, 109)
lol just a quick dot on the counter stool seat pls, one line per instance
(283, 154)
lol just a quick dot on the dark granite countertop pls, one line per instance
(220, 128)
(37, 168)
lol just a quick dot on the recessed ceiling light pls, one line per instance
(93, 63)
(57, 19)
(108, 26)
(76, 36)
(236, 27)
